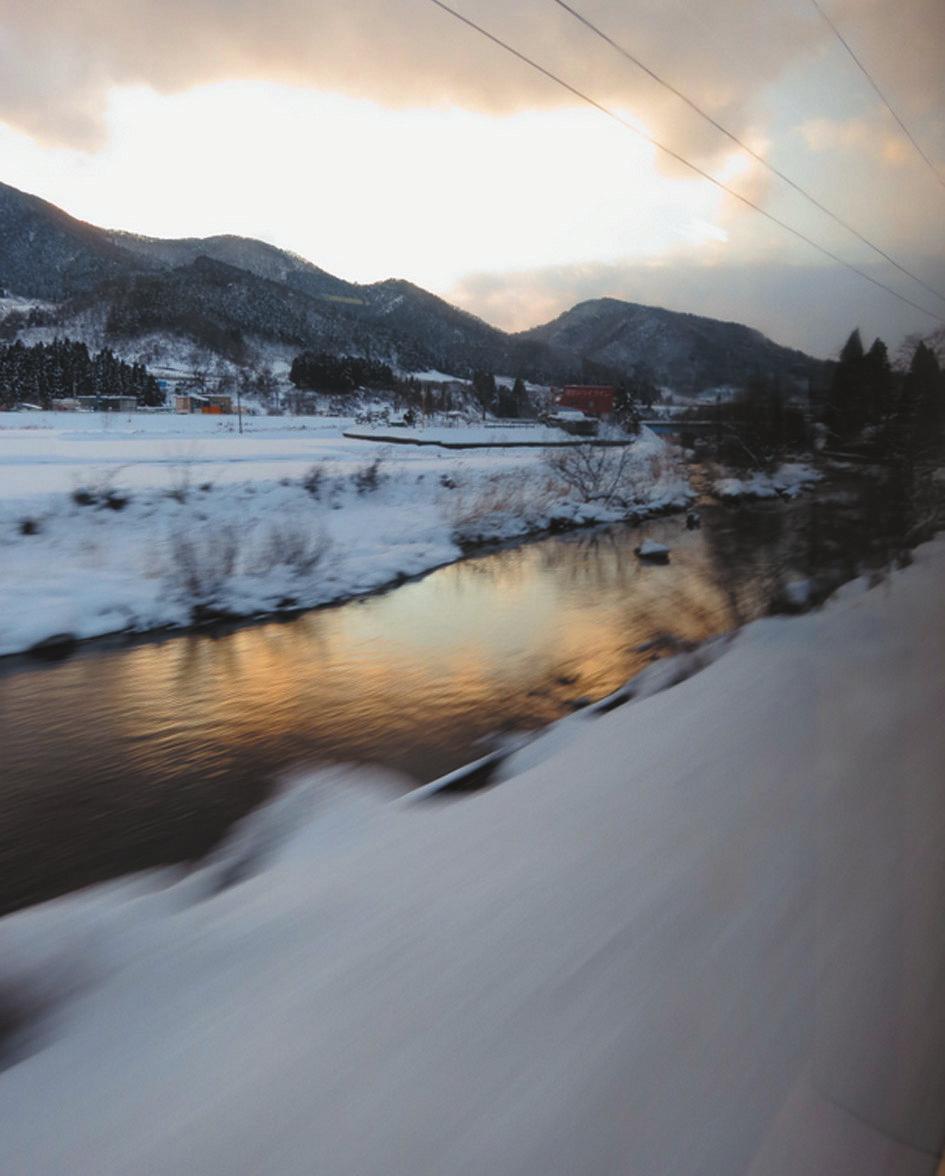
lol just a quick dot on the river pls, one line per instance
(133, 753)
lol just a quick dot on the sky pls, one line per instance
(382, 138)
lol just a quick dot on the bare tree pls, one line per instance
(596, 473)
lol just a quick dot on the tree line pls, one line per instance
(891, 413)
(44, 372)
(863, 406)
(340, 374)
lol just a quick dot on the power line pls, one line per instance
(624, 52)
(885, 101)
(627, 125)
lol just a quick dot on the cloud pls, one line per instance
(813, 307)
(860, 136)
(901, 46)
(771, 71)
(60, 59)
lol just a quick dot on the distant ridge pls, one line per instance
(246, 301)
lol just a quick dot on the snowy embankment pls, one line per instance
(700, 933)
(787, 481)
(112, 523)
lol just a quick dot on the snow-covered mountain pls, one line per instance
(245, 253)
(47, 254)
(685, 351)
(247, 301)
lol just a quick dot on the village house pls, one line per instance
(189, 402)
(592, 399)
(107, 403)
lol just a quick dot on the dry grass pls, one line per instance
(293, 546)
(502, 494)
(202, 562)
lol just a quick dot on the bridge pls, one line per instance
(673, 428)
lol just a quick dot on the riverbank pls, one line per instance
(143, 523)
(423, 678)
(787, 481)
(701, 933)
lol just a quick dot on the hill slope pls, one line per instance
(256, 257)
(45, 253)
(686, 351)
(247, 301)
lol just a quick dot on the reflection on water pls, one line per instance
(125, 757)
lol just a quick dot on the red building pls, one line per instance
(592, 399)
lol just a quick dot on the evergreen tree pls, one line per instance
(323, 372)
(64, 369)
(852, 350)
(626, 410)
(522, 403)
(919, 414)
(862, 389)
(484, 389)
(845, 414)
(914, 441)
(878, 384)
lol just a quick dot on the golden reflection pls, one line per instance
(175, 737)
(467, 636)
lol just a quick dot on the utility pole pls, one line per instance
(239, 407)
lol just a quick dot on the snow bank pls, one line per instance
(15, 304)
(650, 549)
(701, 935)
(787, 481)
(113, 523)
(433, 376)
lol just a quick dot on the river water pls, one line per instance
(135, 753)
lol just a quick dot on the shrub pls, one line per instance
(478, 512)
(292, 546)
(202, 563)
(314, 480)
(618, 476)
(180, 479)
(101, 492)
(182, 461)
(369, 477)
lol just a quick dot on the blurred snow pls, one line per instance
(700, 933)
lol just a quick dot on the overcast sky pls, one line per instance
(382, 138)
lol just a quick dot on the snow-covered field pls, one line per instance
(699, 934)
(112, 522)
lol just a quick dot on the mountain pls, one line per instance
(256, 257)
(247, 319)
(452, 338)
(394, 317)
(223, 309)
(249, 303)
(684, 351)
(45, 253)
